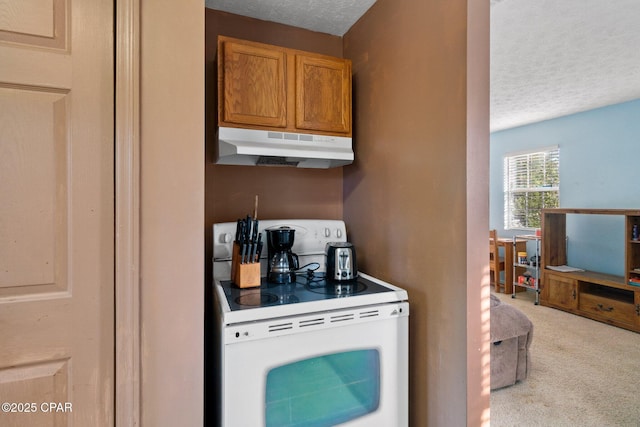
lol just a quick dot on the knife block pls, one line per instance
(244, 275)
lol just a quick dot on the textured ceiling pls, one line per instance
(324, 16)
(549, 58)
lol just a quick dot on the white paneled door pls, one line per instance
(56, 213)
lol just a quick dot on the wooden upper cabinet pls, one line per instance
(323, 94)
(252, 85)
(269, 87)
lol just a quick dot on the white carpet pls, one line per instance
(584, 373)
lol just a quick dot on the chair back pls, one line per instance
(496, 264)
(493, 245)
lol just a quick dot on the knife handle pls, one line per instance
(254, 250)
(238, 230)
(248, 228)
(243, 253)
(243, 231)
(259, 248)
(254, 235)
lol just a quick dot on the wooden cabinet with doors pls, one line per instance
(604, 297)
(269, 87)
(559, 291)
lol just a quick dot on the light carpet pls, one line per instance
(583, 373)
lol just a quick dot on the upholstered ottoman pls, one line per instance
(511, 335)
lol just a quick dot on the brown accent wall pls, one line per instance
(283, 192)
(406, 196)
(417, 192)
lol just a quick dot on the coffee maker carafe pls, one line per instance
(282, 263)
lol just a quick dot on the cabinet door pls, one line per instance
(252, 89)
(637, 310)
(561, 291)
(323, 94)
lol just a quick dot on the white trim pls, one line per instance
(127, 213)
(532, 150)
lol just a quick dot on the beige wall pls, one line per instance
(172, 212)
(478, 290)
(407, 197)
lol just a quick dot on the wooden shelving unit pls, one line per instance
(599, 296)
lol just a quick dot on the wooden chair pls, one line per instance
(496, 263)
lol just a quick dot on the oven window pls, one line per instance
(323, 391)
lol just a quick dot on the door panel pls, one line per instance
(36, 23)
(56, 215)
(34, 191)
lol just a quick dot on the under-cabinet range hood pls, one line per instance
(251, 147)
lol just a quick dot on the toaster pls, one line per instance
(340, 261)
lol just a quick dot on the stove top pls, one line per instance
(310, 294)
(307, 295)
(305, 289)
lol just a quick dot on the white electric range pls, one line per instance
(309, 353)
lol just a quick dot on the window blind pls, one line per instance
(531, 183)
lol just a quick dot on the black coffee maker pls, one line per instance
(282, 263)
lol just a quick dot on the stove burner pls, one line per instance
(338, 289)
(256, 299)
(263, 299)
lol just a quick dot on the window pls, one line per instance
(531, 183)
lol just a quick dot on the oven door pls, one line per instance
(345, 367)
